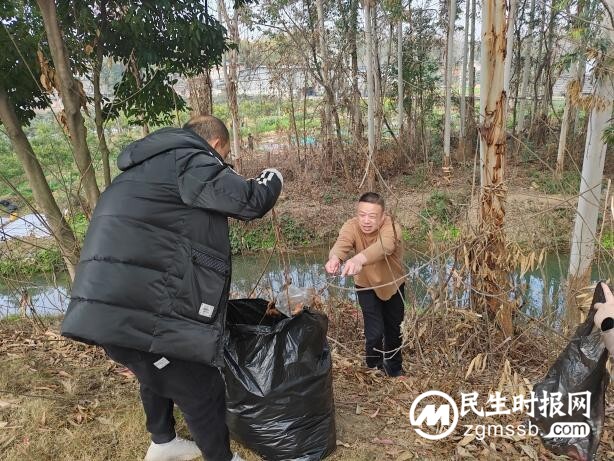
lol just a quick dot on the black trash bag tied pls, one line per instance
(581, 367)
(279, 392)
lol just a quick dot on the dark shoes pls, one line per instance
(391, 373)
(395, 373)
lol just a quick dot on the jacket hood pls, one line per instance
(159, 142)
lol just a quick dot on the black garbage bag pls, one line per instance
(581, 367)
(279, 387)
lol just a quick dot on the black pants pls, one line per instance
(197, 389)
(382, 321)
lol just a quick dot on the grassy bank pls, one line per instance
(443, 215)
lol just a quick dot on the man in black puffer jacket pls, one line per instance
(153, 280)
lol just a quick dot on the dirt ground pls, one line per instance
(62, 400)
(322, 208)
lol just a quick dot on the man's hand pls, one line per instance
(606, 309)
(354, 265)
(332, 265)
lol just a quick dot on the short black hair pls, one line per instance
(209, 128)
(372, 197)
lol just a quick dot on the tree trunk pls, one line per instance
(569, 111)
(99, 120)
(490, 278)
(136, 73)
(463, 98)
(231, 78)
(538, 80)
(357, 124)
(379, 83)
(585, 225)
(470, 125)
(201, 94)
(449, 63)
(548, 81)
(331, 114)
(509, 53)
(518, 73)
(526, 71)
(41, 191)
(324, 54)
(98, 116)
(73, 97)
(560, 157)
(576, 129)
(369, 170)
(400, 89)
(293, 125)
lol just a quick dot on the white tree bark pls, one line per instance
(449, 64)
(492, 96)
(491, 276)
(526, 71)
(585, 225)
(470, 118)
(509, 53)
(560, 157)
(370, 85)
(463, 102)
(569, 112)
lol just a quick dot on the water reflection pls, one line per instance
(30, 225)
(541, 290)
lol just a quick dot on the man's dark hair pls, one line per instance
(372, 197)
(209, 128)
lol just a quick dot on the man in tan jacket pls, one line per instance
(377, 267)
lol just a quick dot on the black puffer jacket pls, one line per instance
(155, 267)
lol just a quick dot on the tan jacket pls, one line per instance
(382, 249)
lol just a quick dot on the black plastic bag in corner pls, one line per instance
(580, 367)
(279, 391)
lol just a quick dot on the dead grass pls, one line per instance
(61, 400)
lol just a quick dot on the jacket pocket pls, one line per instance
(207, 279)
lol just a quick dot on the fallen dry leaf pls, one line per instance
(467, 440)
(379, 441)
(530, 451)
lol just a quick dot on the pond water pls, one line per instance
(543, 295)
(30, 225)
